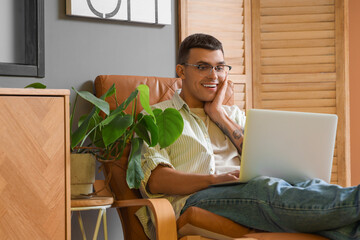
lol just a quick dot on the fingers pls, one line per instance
(213, 108)
(221, 92)
(225, 82)
(235, 173)
(233, 177)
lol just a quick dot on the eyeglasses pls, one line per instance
(205, 69)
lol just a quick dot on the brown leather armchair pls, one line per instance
(194, 223)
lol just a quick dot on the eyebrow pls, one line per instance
(202, 62)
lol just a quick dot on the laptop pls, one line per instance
(293, 146)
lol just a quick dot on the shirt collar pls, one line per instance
(179, 103)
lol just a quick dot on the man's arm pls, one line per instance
(217, 114)
(169, 181)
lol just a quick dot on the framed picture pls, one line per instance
(23, 54)
(144, 11)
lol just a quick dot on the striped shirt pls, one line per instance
(192, 152)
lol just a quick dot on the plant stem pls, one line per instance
(73, 112)
(116, 100)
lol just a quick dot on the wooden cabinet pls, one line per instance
(34, 164)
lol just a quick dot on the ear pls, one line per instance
(180, 71)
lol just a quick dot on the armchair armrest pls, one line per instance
(163, 213)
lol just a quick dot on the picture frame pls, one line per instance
(34, 65)
(141, 11)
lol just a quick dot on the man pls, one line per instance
(208, 152)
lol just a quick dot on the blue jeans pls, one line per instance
(273, 205)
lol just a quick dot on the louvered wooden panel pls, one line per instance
(298, 78)
(298, 60)
(286, 52)
(34, 199)
(305, 97)
(298, 63)
(299, 3)
(240, 96)
(308, 18)
(298, 43)
(228, 21)
(335, 170)
(222, 19)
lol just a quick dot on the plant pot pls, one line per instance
(82, 168)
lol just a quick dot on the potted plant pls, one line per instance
(110, 131)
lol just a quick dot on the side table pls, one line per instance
(94, 203)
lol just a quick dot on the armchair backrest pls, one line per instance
(161, 89)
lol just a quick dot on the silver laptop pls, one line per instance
(294, 146)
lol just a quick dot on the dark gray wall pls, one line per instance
(79, 49)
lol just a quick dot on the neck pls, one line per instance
(191, 104)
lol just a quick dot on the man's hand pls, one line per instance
(213, 109)
(226, 177)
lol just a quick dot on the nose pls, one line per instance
(212, 73)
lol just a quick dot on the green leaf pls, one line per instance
(157, 112)
(36, 85)
(80, 133)
(109, 92)
(120, 109)
(116, 128)
(72, 113)
(144, 98)
(96, 136)
(99, 103)
(142, 132)
(171, 124)
(110, 118)
(140, 129)
(134, 173)
(127, 101)
(82, 119)
(146, 126)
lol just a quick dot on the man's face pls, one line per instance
(197, 88)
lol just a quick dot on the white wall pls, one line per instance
(78, 49)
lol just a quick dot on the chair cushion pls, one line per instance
(197, 221)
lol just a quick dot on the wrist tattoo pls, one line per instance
(237, 134)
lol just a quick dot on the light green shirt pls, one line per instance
(192, 152)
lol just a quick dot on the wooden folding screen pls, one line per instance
(295, 56)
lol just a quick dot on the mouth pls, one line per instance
(209, 85)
